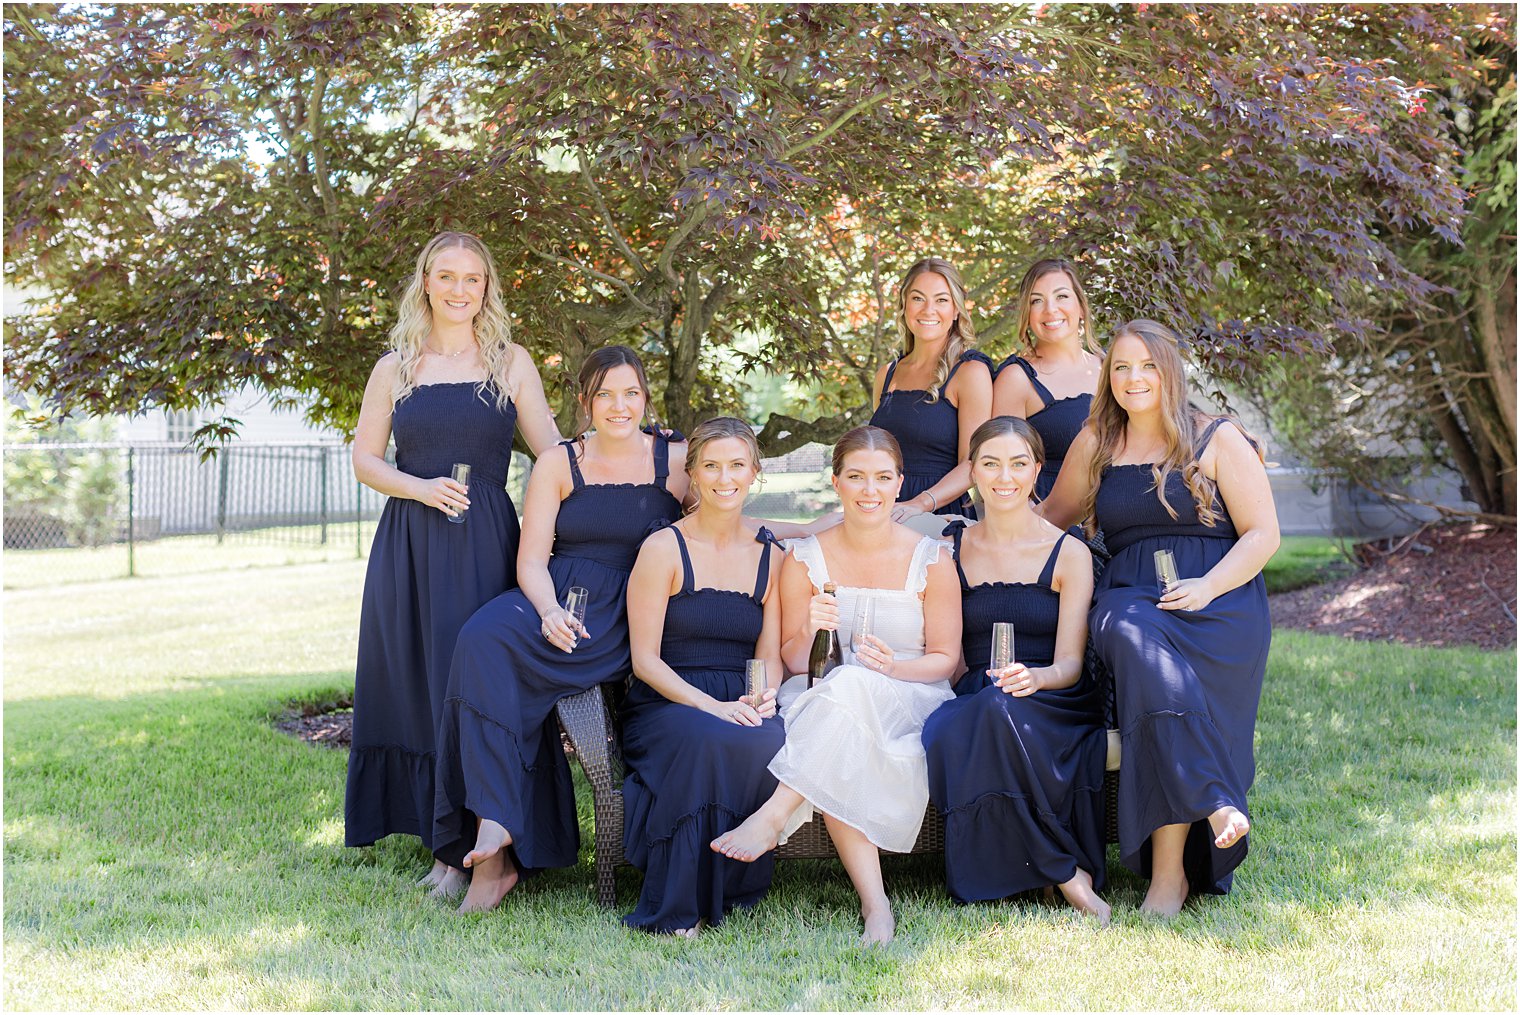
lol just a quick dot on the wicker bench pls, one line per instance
(590, 721)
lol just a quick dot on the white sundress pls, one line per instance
(853, 747)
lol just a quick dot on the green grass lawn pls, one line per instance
(165, 848)
(1306, 560)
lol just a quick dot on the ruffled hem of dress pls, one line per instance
(698, 828)
(1181, 799)
(1018, 822)
(379, 777)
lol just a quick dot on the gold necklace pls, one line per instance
(446, 355)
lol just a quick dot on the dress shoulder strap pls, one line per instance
(1208, 434)
(1031, 373)
(763, 575)
(886, 382)
(661, 459)
(924, 554)
(1048, 572)
(810, 553)
(575, 467)
(955, 530)
(688, 579)
(968, 356)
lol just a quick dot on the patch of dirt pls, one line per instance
(1452, 585)
(331, 724)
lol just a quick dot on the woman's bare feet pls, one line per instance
(494, 874)
(881, 926)
(1165, 896)
(690, 933)
(450, 884)
(1229, 825)
(430, 879)
(490, 838)
(754, 838)
(1079, 892)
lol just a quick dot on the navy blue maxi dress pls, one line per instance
(426, 576)
(1019, 781)
(1058, 424)
(928, 433)
(692, 776)
(499, 753)
(1188, 683)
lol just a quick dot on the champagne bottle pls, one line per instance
(826, 653)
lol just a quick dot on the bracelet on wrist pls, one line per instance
(933, 500)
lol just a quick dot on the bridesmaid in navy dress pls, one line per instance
(1156, 474)
(1016, 759)
(449, 391)
(935, 393)
(702, 602)
(504, 804)
(1057, 366)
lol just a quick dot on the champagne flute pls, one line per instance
(864, 624)
(756, 679)
(1002, 645)
(1166, 570)
(460, 475)
(575, 605)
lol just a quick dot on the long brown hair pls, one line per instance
(867, 438)
(594, 370)
(962, 332)
(1023, 337)
(1180, 423)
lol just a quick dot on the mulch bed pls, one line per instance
(1448, 585)
(331, 724)
(1453, 585)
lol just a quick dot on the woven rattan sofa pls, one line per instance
(590, 721)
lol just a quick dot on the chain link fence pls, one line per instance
(92, 512)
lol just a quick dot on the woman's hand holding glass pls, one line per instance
(566, 625)
(445, 494)
(741, 712)
(1188, 595)
(874, 654)
(1016, 679)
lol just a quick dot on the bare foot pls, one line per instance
(881, 926)
(450, 884)
(430, 879)
(490, 838)
(1229, 825)
(690, 933)
(492, 880)
(1165, 897)
(751, 840)
(1079, 892)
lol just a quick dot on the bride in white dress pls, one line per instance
(853, 748)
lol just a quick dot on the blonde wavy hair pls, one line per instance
(414, 321)
(962, 332)
(1180, 422)
(1023, 336)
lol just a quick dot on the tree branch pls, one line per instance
(854, 111)
(601, 206)
(610, 279)
(782, 434)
